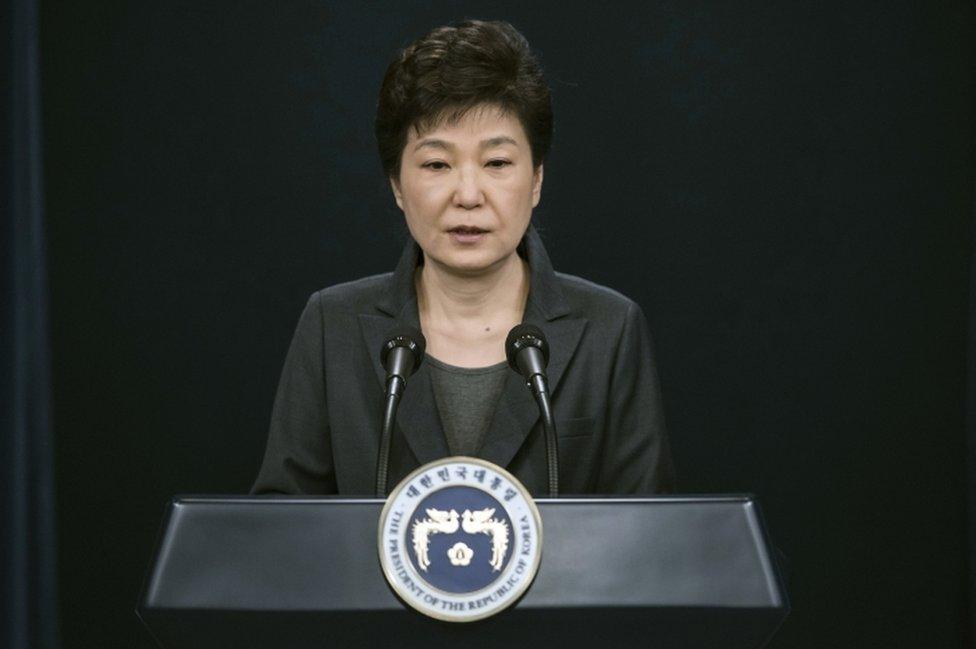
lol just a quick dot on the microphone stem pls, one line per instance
(394, 390)
(540, 389)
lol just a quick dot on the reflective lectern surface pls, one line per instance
(299, 572)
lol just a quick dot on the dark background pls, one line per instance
(786, 188)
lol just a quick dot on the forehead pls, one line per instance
(475, 123)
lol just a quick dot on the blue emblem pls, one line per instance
(460, 539)
(468, 548)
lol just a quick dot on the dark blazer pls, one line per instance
(325, 426)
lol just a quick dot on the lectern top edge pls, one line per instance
(298, 500)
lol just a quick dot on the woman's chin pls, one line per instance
(472, 262)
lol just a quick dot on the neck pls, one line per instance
(445, 298)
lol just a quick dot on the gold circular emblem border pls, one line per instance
(387, 570)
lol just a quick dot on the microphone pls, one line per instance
(401, 355)
(527, 351)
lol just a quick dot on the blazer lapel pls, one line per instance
(375, 328)
(564, 336)
(419, 420)
(515, 415)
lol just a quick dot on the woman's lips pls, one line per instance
(467, 234)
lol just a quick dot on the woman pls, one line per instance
(463, 124)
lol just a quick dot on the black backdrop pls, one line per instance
(786, 188)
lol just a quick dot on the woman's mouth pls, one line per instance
(467, 234)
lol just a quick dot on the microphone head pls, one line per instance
(407, 337)
(522, 336)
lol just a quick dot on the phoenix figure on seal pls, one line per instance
(472, 522)
(437, 521)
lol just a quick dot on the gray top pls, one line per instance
(466, 398)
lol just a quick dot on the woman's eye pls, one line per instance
(498, 164)
(436, 165)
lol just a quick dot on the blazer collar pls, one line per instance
(516, 412)
(544, 291)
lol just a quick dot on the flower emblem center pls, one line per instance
(460, 554)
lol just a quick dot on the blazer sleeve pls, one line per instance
(298, 457)
(637, 456)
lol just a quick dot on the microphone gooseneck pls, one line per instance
(401, 355)
(528, 354)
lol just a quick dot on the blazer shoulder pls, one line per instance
(596, 301)
(354, 296)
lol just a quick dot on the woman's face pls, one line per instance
(468, 189)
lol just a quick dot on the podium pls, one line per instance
(298, 572)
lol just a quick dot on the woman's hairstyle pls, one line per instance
(454, 69)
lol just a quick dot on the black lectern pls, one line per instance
(282, 573)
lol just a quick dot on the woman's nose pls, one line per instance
(468, 192)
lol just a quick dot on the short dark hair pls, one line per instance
(454, 69)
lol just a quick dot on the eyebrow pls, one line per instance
(434, 143)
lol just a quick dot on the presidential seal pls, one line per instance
(460, 539)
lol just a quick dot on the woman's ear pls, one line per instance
(395, 186)
(536, 185)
